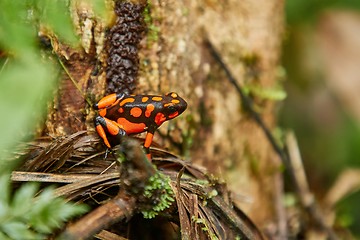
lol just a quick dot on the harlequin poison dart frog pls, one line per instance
(121, 114)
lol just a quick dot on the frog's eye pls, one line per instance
(171, 109)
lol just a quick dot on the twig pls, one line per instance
(280, 207)
(306, 197)
(73, 187)
(106, 235)
(117, 209)
(346, 183)
(136, 168)
(312, 208)
(18, 176)
(186, 190)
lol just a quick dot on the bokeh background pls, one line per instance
(321, 56)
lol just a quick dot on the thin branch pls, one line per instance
(248, 103)
(312, 207)
(306, 197)
(280, 207)
(119, 208)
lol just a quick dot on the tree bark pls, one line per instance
(214, 131)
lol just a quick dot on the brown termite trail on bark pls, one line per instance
(123, 46)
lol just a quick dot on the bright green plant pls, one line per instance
(27, 79)
(26, 216)
(158, 189)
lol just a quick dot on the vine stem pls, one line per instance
(74, 82)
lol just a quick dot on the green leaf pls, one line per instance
(17, 34)
(26, 83)
(56, 15)
(24, 90)
(99, 8)
(48, 213)
(4, 237)
(5, 191)
(4, 196)
(23, 199)
(40, 216)
(18, 230)
(25, 80)
(30, 217)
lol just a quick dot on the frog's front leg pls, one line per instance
(147, 144)
(108, 100)
(104, 125)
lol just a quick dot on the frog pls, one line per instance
(120, 114)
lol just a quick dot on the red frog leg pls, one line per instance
(147, 144)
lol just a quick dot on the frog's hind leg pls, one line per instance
(104, 126)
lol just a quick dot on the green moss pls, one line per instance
(158, 190)
(212, 194)
(205, 227)
(120, 157)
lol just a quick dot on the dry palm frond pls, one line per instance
(85, 172)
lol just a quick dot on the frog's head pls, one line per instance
(173, 105)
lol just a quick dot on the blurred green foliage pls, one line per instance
(349, 212)
(328, 143)
(24, 216)
(27, 75)
(307, 11)
(28, 78)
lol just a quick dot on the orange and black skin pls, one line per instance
(121, 114)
